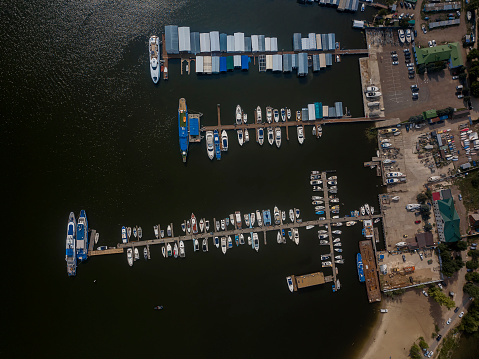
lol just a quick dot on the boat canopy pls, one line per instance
(239, 41)
(247, 44)
(254, 43)
(277, 62)
(195, 42)
(297, 41)
(237, 60)
(287, 63)
(302, 64)
(316, 65)
(267, 44)
(194, 126)
(230, 43)
(171, 39)
(215, 41)
(199, 64)
(312, 41)
(223, 42)
(184, 43)
(215, 64)
(223, 67)
(205, 42)
(244, 62)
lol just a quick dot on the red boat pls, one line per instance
(194, 224)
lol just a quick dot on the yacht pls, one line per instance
(278, 137)
(223, 244)
(183, 227)
(140, 232)
(217, 241)
(207, 225)
(277, 218)
(339, 250)
(241, 238)
(288, 113)
(145, 253)
(283, 114)
(168, 231)
(168, 250)
(194, 224)
(310, 226)
(401, 35)
(255, 241)
(363, 211)
(260, 133)
(128, 230)
(296, 235)
(129, 256)
(276, 115)
(246, 135)
(188, 226)
(269, 114)
(289, 280)
(259, 219)
(210, 147)
(182, 249)
(240, 136)
(124, 237)
(155, 229)
(283, 215)
(223, 224)
(291, 215)
(137, 254)
(314, 131)
(196, 245)
(252, 219)
(249, 241)
(205, 245)
(366, 207)
(154, 48)
(300, 135)
(224, 141)
(323, 242)
(270, 136)
(337, 231)
(258, 115)
(408, 35)
(238, 115)
(246, 219)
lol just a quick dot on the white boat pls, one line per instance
(255, 241)
(124, 237)
(310, 226)
(259, 219)
(319, 208)
(297, 213)
(337, 244)
(395, 174)
(260, 134)
(128, 230)
(230, 242)
(137, 254)
(279, 238)
(323, 242)
(408, 35)
(154, 48)
(210, 147)
(223, 224)
(334, 200)
(322, 231)
(291, 215)
(401, 36)
(372, 210)
(239, 119)
(269, 114)
(168, 250)
(296, 235)
(366, 207)
(202, 225)
(207, 225)
(314, 131)
(155, 229)
(168, 231)
(300, 134)
(258, 115)
(363, 211)
(336, 240)
(129, 256)
(163, 251)
(241, 238)
(240, 137)
(182, 249)
(224, 140)
(289, 280)
(249, 240)
(362, 7)
(183, 227)
(283, 215)
(175, 250)
(326, 264)
(278, 137)
(276, 115)
(373, 94)
(196, 245)
(338, 224)
(323, 236)
(145, 253)
(315, 198)
(270, 136)
(395, 198)
(288, 113)
(223, 245)
(97, 237)
(337, 231)
(245, 117)
(246, 219)
(252, 218)
(339, 250)
(246, 135)
(350, 223)
(205, 245)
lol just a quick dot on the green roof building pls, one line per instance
(429, 114)
(450, 53)
(447, 220)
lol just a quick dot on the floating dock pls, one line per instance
(309, 280)
(370, 271)
(106, 251)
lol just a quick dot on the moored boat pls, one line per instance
(258, 218)
(207, 225)
(260, 135)
(259, 118)
(217, 241)
(216, 141)
(202, 225)
(182, 249)
(276, 115)
(154, 50)
(288, 113)
(283, 114)
(129, 256)
(291, 215)
(255, 241)
(196, 245)
(223, 244)
(246, 135)
(168, 250)
(70, 250)
(269, 114)
(300, 134)
(278, 137)
(124, 237)
(155, 229)
(224, 140)
(239, 116)
(238, 221)
(240, 137)
(270, 136)
(289, 280)
(183, 128)
(210, 147)
(359, 263)
(175, 250)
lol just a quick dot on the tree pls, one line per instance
(461, 245)
(471, 289)
(429, 194)
(424, 208)
(474, 71)
(470, 322)
(421, 198)
(423, 344)
(473, 54)
(462, 76)
(472, 264)
(384, 12)
(415, 352)
(404, 22)
(436, 294)
(472, 277)
(475, 88)
(428, 227)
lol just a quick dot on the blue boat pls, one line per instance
(237, 239)
(70, 253)
(319, 212)
(82, 237)
(183, 128)
(359, 262)
(267, 217)
(216, 138)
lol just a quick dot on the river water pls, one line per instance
(85, 128)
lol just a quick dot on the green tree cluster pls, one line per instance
(448, 111)
(472, 277)
(416, 119)
(415, 352)
(472, 290)
(423, 344)
(472, 264)
(421, 198)
(470, 322)
(461, 245)
(472, 55)
(449, 265)
(436, 294)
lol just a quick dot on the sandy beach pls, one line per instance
(409, 317)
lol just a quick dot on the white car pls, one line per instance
(425, 294)
(449, 321)
(395, 63)
(429, 43)
(455, 77)
(430, 354)
(439, 285)
(461, 314)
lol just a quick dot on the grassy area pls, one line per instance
(449, 344)
(469, 187)
(371, 134)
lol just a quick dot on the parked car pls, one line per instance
(460, 96)
(456, 310)
(430, 354)
(395, 63)
(449, 321)
(417, 222)
(461, 314)
(421, 256)
(429, 43)
(425, 293)
(459, 196)
(455, 77)
(439, 337)
(439, 285)
(403, 258)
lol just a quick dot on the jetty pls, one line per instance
(309, 280)
(370, 271)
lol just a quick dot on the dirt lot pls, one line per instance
(397, 277)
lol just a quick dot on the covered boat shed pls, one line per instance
(199, 64)
(312, 41)
(325, 112)
(184, 39)
(230, 66)
(247, 44)
(287, 63)
(316, 66)
(329, 59)
(244, 62)
(223, 42)
(339, 109)
(171, 39)
(205, 42)
(195, 43)
(274, 44)
(277, 62)
(305, 43)
(223, 67)
(297, 42)
(207, 65)
(318, 107)
(237, 60)
(294, 61)
(267, 44)
(318, 42)
(269, 62)
(261, 43)
(194, 123)
(302, 64)
(215, 64)
(239, 41)
(215, 41)
(324, 41)
(304, 114)
(254, 43)
(311, 112)
(332, 111)
(230, 43)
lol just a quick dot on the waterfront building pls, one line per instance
(450, 53)
(447, 219)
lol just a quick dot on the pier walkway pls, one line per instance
(232, 232)
(370, 271)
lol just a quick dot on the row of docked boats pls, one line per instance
(77, 241)
(366, 209)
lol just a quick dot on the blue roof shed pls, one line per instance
(223, 64)
(194, 126)
(244, 62)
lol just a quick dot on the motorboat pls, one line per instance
(224, 140)
(223, 224)
(320, 131)
(315, 198)
(325, 256)
(317, 188)
(283, 114)
(276, 115)
(336, 240)
(137, 254)
(260, 134)
(182, 249)
(158, 307)
(291, 215)
(334, 200)
(297, 214)
(317, 202)
(129, 256)
(240, 137)
(339, 261)
(337, 231)
(237, 239)
(207, 225)
(279, 239)
(227, 220)
(337, 224)
(205, 245)
(322, 231)
(210, 147)
(395, 198)
(232, 218)
(402, 38)
(256, 241)
(288, 113)
(218, 225)
(277, 218)
(216, 141)
(128, 231)
(278, 137)
(194, 224)
(252, 219)
(323, 236)
(223, 244)
(298, 115)
(168, 250)
(289, 280)
(310, 226)
(163, 251)
(241, 239)
(300, 134)
(216, 241)
(296, 235)
(283, 215)
(350, 223)
(196, 245)
(313, 132)
(175, 250)
(315, 182)
(183, 227)
(239, 114)
(270, 136)
(259, 219)
(140, 232)
(258, 115)
(154, 49)
(249, 241)
(188, 226)
(246, 219)
(326, 264)
(318, 208)
(363, 211)
(269, 114)
(145, 253)
(290, 234)
(323, 242)
(245, 118)
(124, 237)
(339, 250)
(373, 94)
(168, 231)
(366, 207)
(338, 244)
(333, 178)
(371, 89)
(246, 135)
(202, 225)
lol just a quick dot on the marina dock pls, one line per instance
(309, 280)
(370, 271)
(106, 251)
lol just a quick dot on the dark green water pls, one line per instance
(84, 127)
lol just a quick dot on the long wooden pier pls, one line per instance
(327, 211)
(370, 272)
